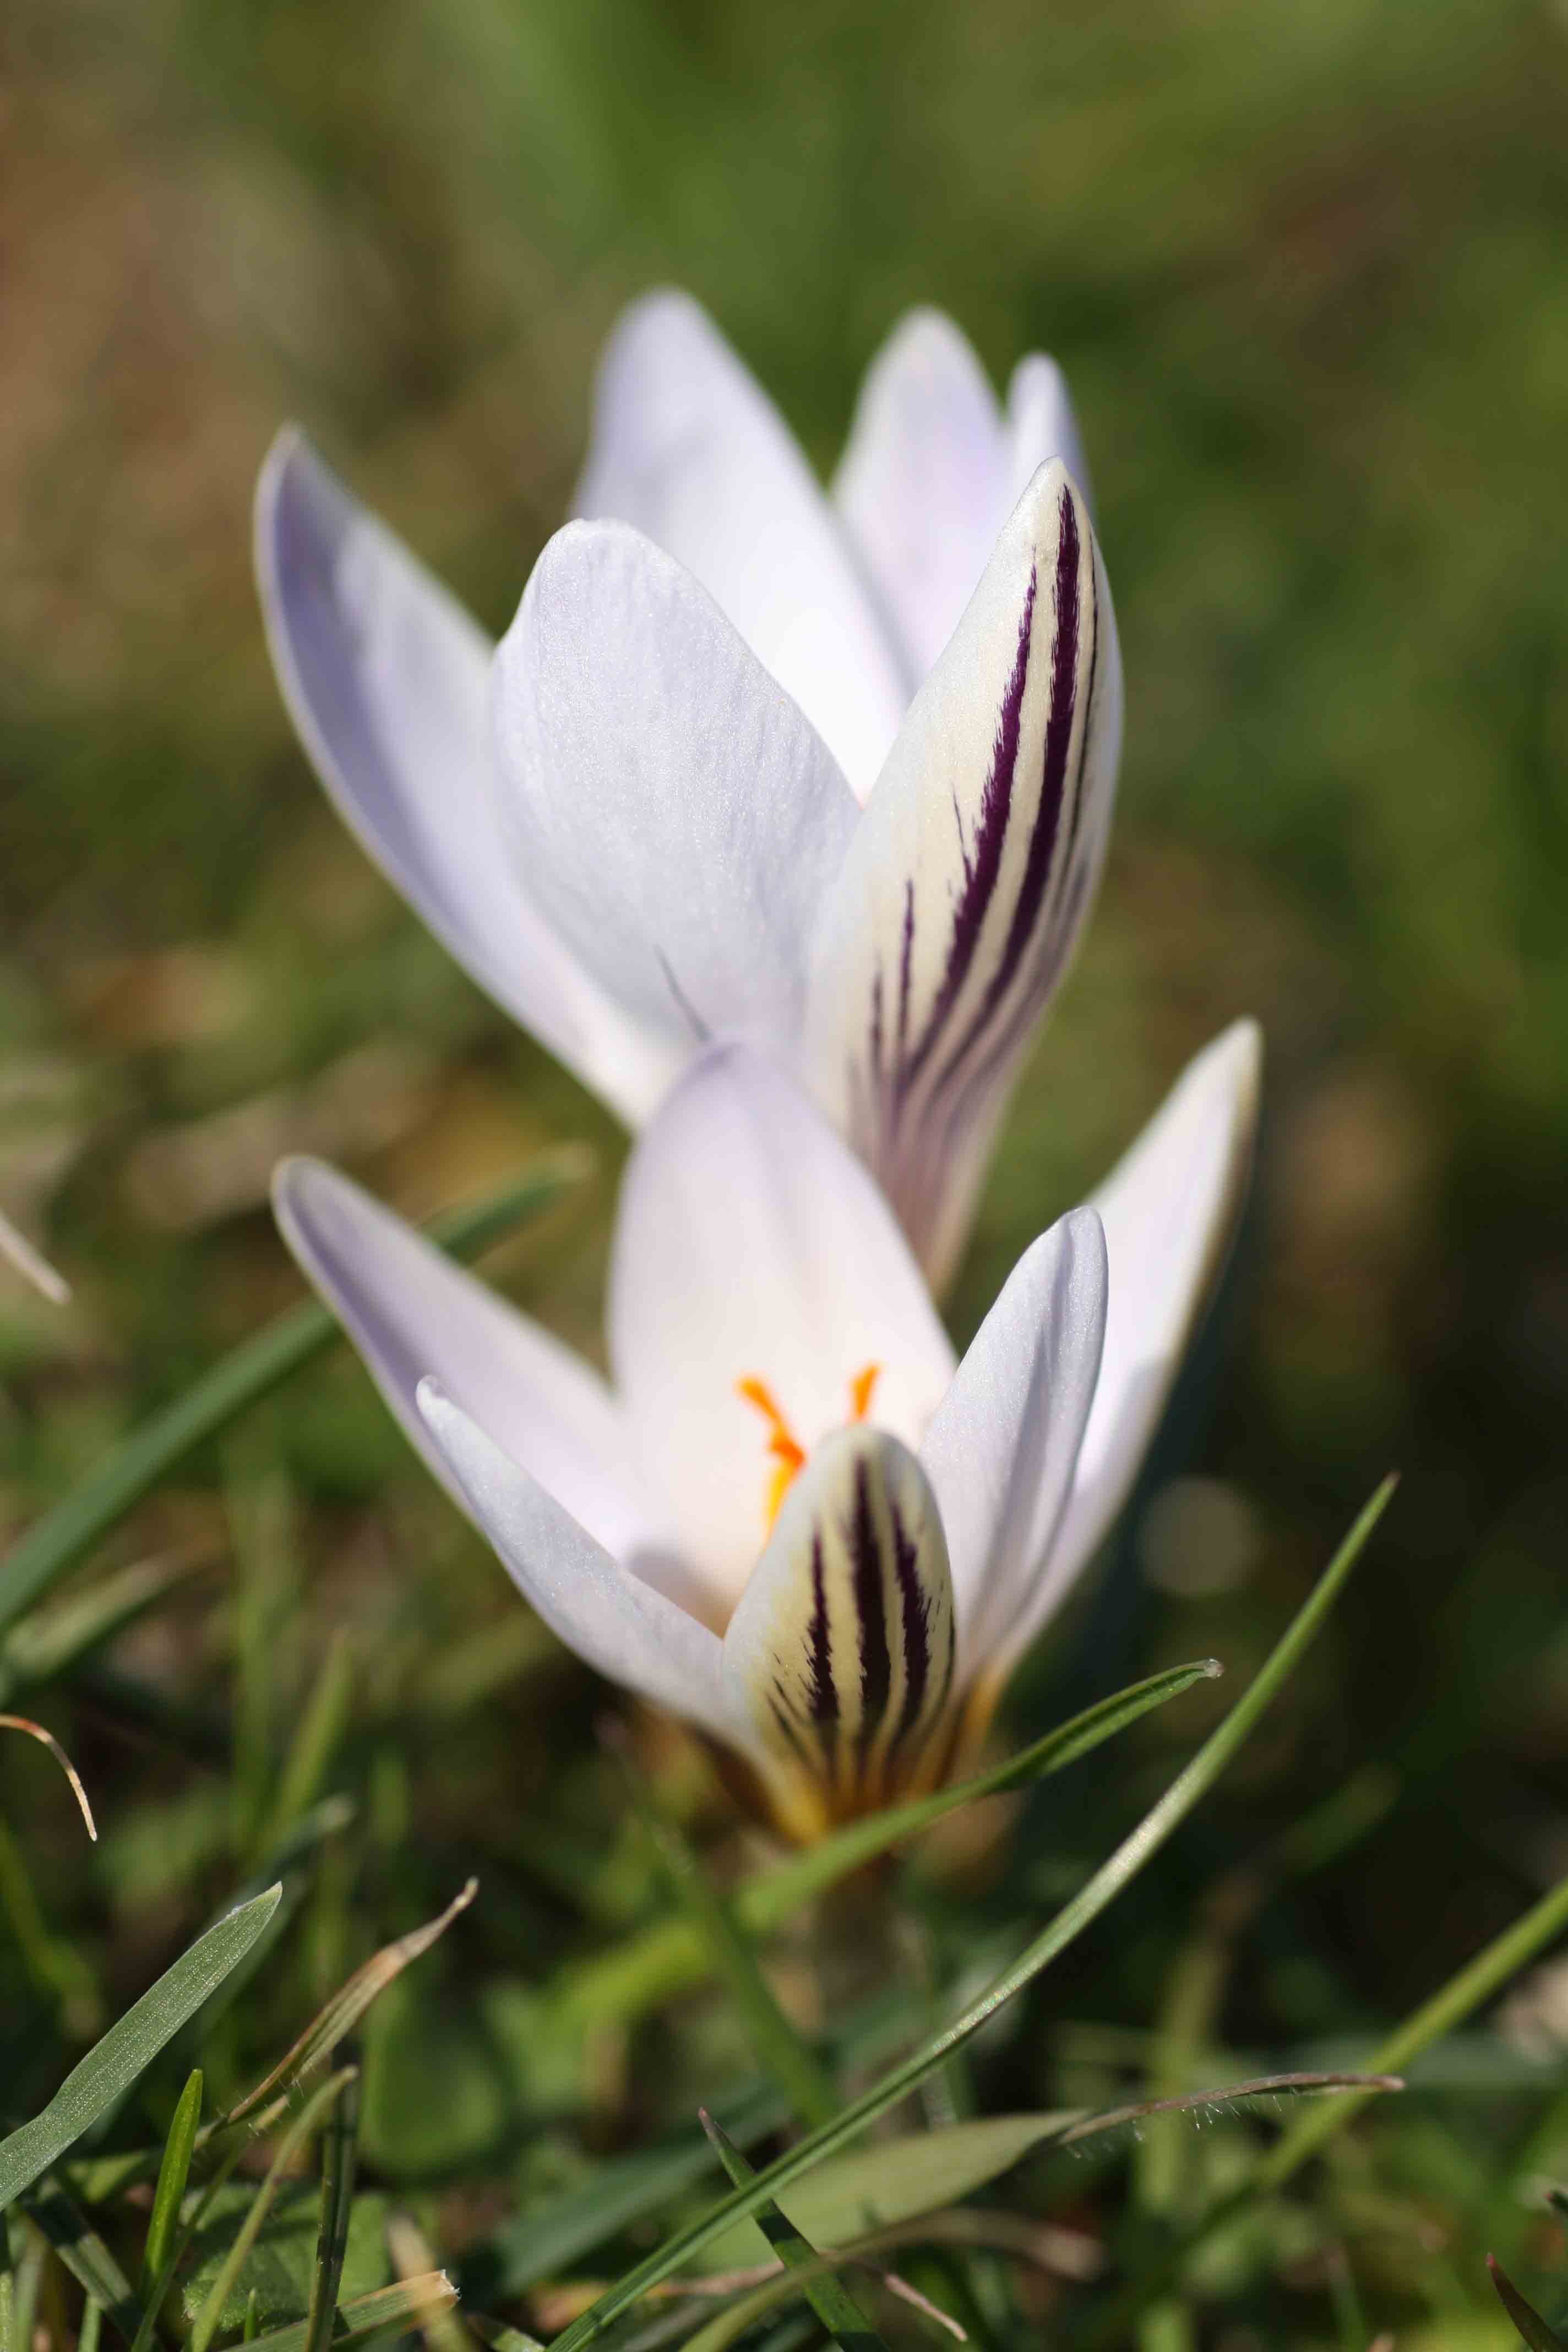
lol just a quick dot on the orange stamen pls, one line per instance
(787, 1452)
(783, 1444)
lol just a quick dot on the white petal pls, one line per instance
(924, 484)
(933, 471)
(974, 865)
(617, 1624)
(841, 1649)
(680, 820)
(1001, 1450)
(1170, 1208)
(750, 1244)
(387, 680)
(1041, 425)
(688, 446)
(410, 1311)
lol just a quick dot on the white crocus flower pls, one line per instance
(792, 1519)
(695, 797)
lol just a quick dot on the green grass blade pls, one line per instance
(1524, 2315)
(671, 1956)
(321, 1727)
(1179, 1800)
(172, 2175)
(110, 2068)
(51, 2208)
(348, 2005)
(294, 2139)
(767, 1902)
(390, 2310)
(49, 1643)
(614, 2195)
(92, 2325)
(154, 2295)
(338, 2150)
(1458, 1999)
(66, 1534)
(826, 2291)
(778, 2049)
(502, 2338)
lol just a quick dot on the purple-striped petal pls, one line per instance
(932, 470)
(841, 1651)
(967, 883)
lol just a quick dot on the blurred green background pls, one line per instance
(1306, 269)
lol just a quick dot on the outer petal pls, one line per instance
(1001, 1450)
(750, 1244)
(387, 680)
(841, 1651)
(680, 818)
(932, 472)
(1041, 425)
(410, 1311)
(1170, 1209)
(968, 881)
(619, 1625)
(688, 446)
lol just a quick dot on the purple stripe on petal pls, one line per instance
(1048, 816)
(915, 1610)
(871, 1614)
(982, 867)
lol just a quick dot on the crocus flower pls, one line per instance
(693, 796)
(793, 1518)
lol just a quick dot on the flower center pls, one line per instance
(788, 1453)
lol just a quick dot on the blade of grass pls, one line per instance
(294, 2139)
(347, 2006)
(411, 2258)
(626, 2188)
(47, 1738)
(47, 1644)
(339, 2145)
(112, 2064)
(1458, 1999)
(321, 1726)
(840, 2314)
(1449, 2007)
(671, 1956)
(68, 1532)
(30, 2273)
(1524, 2315)
(1135, 1850)
(153, 2295)
(777, 2047)
(370, 2317)
(50, 2206)
(92, 2325)
(173, 2174)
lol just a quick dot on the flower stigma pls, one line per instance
(788, 1453)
